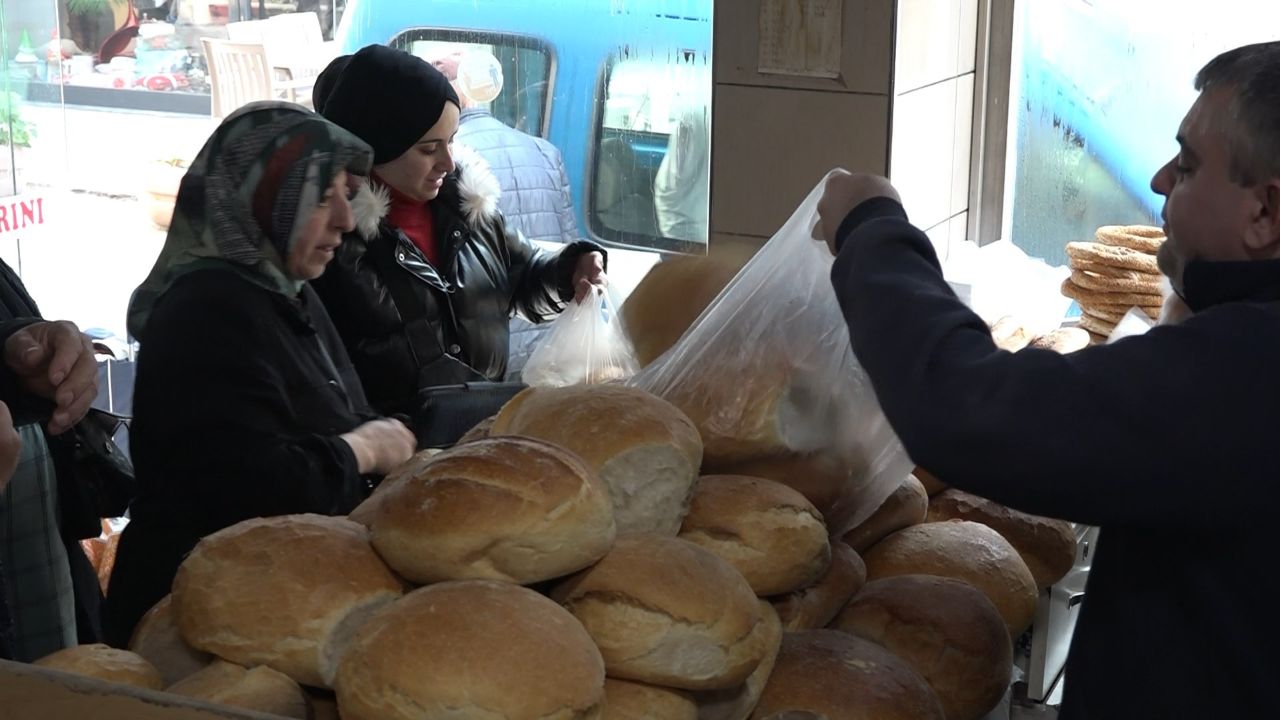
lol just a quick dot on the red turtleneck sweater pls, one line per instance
(415, 220)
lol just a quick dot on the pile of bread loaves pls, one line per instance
(1116, 273)
(568, 561)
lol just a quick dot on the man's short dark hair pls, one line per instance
(1252, 74)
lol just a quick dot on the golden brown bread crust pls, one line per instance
(816, 606)
(843, 677)
(471, 648)
(644, 449)
(672, 295)
(946, 630)
(158, 640)
(627, 700)
(481, 430)
(261, 689)
(966, 551)
(767, 531)
(499, 508)
(1047, 546)
(668, 612)
(737, 703)
(905, 507)
(105, 663)
(288, 611)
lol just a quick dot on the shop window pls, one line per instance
(651, 165)
(1099, 88)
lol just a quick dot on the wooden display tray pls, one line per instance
(28, 692)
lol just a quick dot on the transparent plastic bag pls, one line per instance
(585, 345)
(768, 375)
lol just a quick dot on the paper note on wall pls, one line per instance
(800, 37)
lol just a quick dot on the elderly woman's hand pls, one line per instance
(589, 273)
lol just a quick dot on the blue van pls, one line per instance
(604, 80)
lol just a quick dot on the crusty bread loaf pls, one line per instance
(105, 663)
(815, 606)
(472, 648)
(671, 296)
(499, 508)
(905, 507)
(932, 485)
(158, 640)
(481, 430)
(944, 628)
(820, 476)
(413, 467)
(737, 703)
(261, 689)
(627, 700)
(1047, 546)
(286, 592)
(965, 551)
(667, 612)
(837, 676)
(644, 449)
(764, 529)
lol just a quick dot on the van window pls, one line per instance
(651, 167)
(526, 69)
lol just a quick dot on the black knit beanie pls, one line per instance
(388, 98)
(326, 80)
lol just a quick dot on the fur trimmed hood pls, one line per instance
(477, 193)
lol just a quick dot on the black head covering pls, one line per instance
(388, 98)
(326, 80)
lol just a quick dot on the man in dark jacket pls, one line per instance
(1166, 441)
(535, 198)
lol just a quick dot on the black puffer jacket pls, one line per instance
(409, 325)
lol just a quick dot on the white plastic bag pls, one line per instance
(585, 345)
(768, 376)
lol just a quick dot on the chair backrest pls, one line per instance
(302, 28)
(238, 74)
(249, 31)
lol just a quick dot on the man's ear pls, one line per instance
(1263, 233)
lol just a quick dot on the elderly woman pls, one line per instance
(424, 289)
(246, 403)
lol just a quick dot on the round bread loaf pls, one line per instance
(819, 476)
(644, 449)
(905, 507)
(932, 485)
(413, 467)
(286, 592)
(499, 508)
(626, 700)
(667, 612)
(158, 640)
(261, 689)
(1047, 546)
(737, 703)
(946, 629)
(838, 676)
(105, 663)
(817, 605)
(764, 529)
(965, 551)
(472, 648)
(673, 294)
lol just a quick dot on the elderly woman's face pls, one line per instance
(419, 172)
(322, 230)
